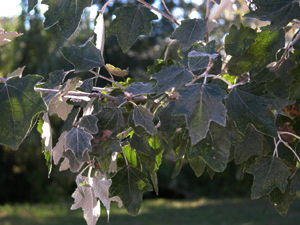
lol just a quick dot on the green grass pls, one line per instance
(158, 212)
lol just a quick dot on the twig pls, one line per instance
(288, 146)
(78, 93)
(146, 4)
(110, 80)
(206, 17)
(166, 7)
(285, 54)
(125, 133)
(105, 5)
(288, 133)
(276, 147)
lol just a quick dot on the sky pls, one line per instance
(9, 8)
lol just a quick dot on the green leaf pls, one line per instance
(19, 104)
(171, 77)
(199, 60)
(190, 31)
(31, 5)
(198, 165)
(131, 21)
(140, 88)
(259, 54)
(131, 156)
(129, 184)
(295, 185)
(269, 173)
(239, 40)
(104, 150)
(110, 119)
(78, 141)
(282, 201)
(89, 123)
(84, 57)
(169, 122)
(279, 12)
(144, 118)
(252, 145)
(295, 85)
(66, 14)
(246, 107)
(214, 150)
(201, 104)
(140, 144)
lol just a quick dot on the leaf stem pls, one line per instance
(288, 133)
(206, 17)
(288, 146)
(108, 79)
(166, 7)
(105, 5)
(286, 52)
(146, 4)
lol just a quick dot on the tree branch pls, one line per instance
(146, 4)
(108, 79)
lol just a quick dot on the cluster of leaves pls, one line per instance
(188, 107)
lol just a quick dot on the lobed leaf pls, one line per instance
(129, 184)
(269, 173)
(190, 31)
(131, 21)
(144, 118)
(201, 104)
(66, 14)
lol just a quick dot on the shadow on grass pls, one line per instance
(159, 212)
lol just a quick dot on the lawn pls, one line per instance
(158, 212)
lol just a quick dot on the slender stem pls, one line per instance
(288, 146)
(288, 133)
(166, 7)
(108, 79)
(276, 147)
(105, 5)
(286, 52)
(146, 4)
(125, 133)
(206, 17)
(70, 94)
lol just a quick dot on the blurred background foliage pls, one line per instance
(23, 173)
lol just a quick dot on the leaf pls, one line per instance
(6, 36)
(295, 185)
(71, 162)
(171, 77)
(295, 85)
(190, 31)
(116, 71)
(89, 123)
(252, 145)
(100, 32)
(104, 152)
(198, 165)
(84, 57)
(259, 54)
(239, 40)
(140, 88)
(87, 85)
(47, 134)
(78, 141)
(19, 104)
(269, 173)
(16, 73)
(282, 201)
(59, 148)
(214, 150)
(169, 122)
(131, 21)
(129, 184)
(140, 144)
(199, 60)
(110, 119)
(247, 107)
(101, 190)
(66, 14)
(279, 12)
(61, 108)
(84, 198)
(201, 104)
(144, 118)
(31, 5)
